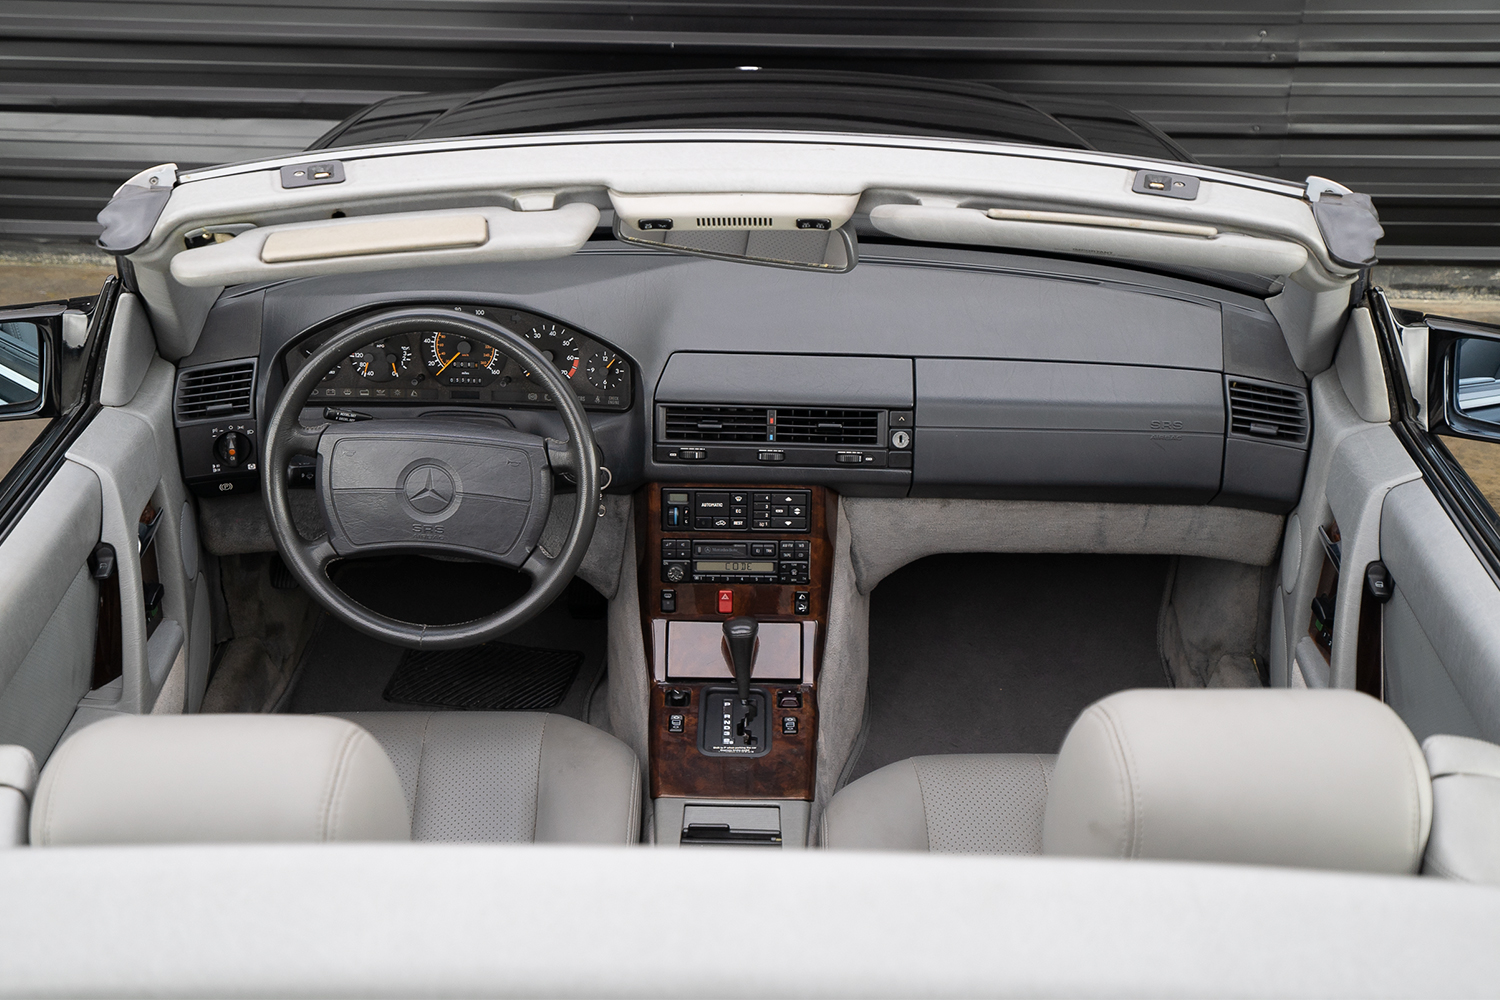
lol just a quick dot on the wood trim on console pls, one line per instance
(678, 767)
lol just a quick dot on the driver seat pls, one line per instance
(510, 777)
(490, 777)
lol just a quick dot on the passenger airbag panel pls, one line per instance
(1068, 430)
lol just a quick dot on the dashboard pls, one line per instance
(939, 372)
(434, 367)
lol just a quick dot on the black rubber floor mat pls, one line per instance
(494, 676)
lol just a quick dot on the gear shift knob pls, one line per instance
(739, 636)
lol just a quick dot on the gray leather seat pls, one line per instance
(953, 803)
(510, 777)
(1322, 779)
(384, 776)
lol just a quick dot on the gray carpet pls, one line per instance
(999, 654)
(346, 671)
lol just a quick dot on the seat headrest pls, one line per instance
(1318, 779)
(218, 779)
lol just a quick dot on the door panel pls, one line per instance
(114, 471)
(48, 603)
(1442, 625)
(38, 703)
(1353, 462)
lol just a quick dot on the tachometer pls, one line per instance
(455, 360)
(558, 345)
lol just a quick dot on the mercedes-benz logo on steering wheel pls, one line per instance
(429, 489)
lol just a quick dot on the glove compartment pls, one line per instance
(1058, 430)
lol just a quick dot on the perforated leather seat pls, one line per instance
(479, 776)
(953, 803)
(510, 777)
(1323, 779)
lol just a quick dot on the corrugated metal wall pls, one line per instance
(1399, 98)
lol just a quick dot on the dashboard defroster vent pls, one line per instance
(215, 391)
(735, 222)
(843, 428)
(1267, 411)
(716, 423)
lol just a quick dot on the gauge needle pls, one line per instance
(393, 369)
(445, 366)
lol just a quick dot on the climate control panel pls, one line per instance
(781, 511)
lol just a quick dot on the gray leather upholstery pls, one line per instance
(1319, 779)
(1465, 841)
(218, 778)
(17, 785)
(510, 777)
(954, 803)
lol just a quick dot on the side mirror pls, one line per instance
(22, 368)
(1463, 385)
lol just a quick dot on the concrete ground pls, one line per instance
(41, 274)
(32, 273)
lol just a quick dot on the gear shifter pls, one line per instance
(739, 635)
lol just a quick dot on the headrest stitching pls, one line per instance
(335, 783)
(1130, 793)
(922, 795)
(536, 807)
(59, 764)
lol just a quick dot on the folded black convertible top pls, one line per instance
(812, 100)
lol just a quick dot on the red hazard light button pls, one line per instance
(726, 602)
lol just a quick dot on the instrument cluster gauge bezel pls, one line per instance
(426, 368)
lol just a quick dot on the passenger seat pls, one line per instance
(1318, 779)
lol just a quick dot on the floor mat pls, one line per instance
(999, 654)
(343, 670)
(495, 676)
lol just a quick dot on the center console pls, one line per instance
(734, 596)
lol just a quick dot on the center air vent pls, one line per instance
(215, 392)
(844, 428)
(734, 222)
(1267, 410)
(716, 423)
(767, 425)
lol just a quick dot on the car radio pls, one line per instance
(734, 560)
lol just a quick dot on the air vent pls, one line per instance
(215, 392)
(843, 428)
(1268, 411)
(716, 423)
(734, 222)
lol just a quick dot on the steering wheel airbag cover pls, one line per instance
(429, 485)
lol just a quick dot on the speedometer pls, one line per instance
(456, 360)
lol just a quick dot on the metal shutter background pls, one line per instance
(1395, 97)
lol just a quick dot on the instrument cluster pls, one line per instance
(442, 367)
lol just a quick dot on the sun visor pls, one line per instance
(1106, 236)
(385, 242)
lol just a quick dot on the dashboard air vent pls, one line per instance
(216, 391)
(844, 428)
(716, 423)
(734, 222)
(1266, 410)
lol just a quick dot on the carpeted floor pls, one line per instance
(999, 654)
(346, 671)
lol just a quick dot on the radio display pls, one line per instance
(732, 566)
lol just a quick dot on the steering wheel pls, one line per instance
(437, 486)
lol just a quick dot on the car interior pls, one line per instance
(918, 495)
